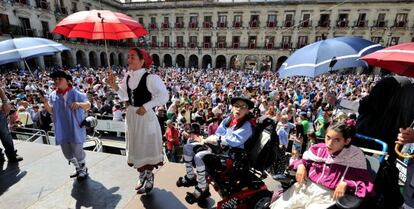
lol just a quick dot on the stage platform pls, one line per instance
(41, 181)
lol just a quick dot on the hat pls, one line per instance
(195, 129)
(169, 122)
(249, 103)
(61, 74)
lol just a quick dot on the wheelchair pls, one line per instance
(238, 174)
(374, 159)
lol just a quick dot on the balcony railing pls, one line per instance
(21, 31)
(43, 5)
(306, 23)
(154, 44)
(380, 24)
(152, 26)
(400, 24)
(252, 45)
(207, 24)
(221, 45)
(192, 44)
(324, 24)
(288, 24)
(206, 45)
(342, 23)
(179, 25)
(236, 45)
(165, 25)
(300, 45)
(179, 45)
(271, 24)
(222, 24)
(165, 44)
(361, 23)
(192, 25)
(286, 45)
(269, 46)
(254, 23)
(237, 24)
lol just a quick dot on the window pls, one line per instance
(207, 41)
(42, 4)
(324, 21)
(362, 20)
(286, 42)
(193, 21)
(376, 39)
(254, 21)
(302, 41)
(74, 7)
(180, 41)
(236, 41)
(154, 41)
(166, 41)
(193, 41)
(166, 23)
(252, 42)
(305, 20)
(342, 20)
(141, 20)
(394, 41)
(401, 20)
(222, 22)
(179, 22)
(288, 20)
(207, 22)
(380, 20)
(269, 42)
(221, 41)
(237, 21)
(4, 23)
(45, 29)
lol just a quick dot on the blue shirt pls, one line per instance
(66, 121)
(234, 138)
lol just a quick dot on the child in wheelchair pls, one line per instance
(233, 132)
(327, 171)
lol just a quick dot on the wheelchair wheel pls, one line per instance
(260, 200)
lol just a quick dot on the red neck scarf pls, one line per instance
(63, 92)
(233, 122)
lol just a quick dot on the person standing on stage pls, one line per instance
(68, 107)
(143, 91)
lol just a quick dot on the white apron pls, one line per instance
(143, 138)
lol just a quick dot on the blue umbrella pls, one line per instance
(17, 49)
(328, 55)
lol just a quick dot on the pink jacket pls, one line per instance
(328, 170)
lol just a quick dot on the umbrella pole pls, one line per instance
(28, 68)
(107, 56)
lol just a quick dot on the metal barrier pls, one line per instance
(97, 147)
(30, 135)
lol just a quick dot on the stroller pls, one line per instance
(238, 176)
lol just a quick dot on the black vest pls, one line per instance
(140, 95)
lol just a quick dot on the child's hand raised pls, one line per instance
(301, 174)
(339, 190)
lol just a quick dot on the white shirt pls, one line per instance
(154, 85)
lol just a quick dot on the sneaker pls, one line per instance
(15, 159)
(197, 195)
(186, 182)
(82, 172)
(149, 184)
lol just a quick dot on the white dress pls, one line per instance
(143, 132)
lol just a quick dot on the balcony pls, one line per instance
(222, 24)
(179, 25)
(206, 45)
(286, 45)
(179, 45)
(166, 44)
(300, 45)
(192, 25)
(380, 24)
(221, 45)
(207, 24)
(237, 24)
(236, 45)
(45, 34)
(43, 5)
(269, 46)
(306, 23)
(154, 44)
(252, 46)
(152, 26)
(165, 25)
(361, 24)
(342, 23)
(288, 24)
(400, 24)
(324, 24)
(61, 11)
(192, 45)
(254, 24)
(271, 24)
(21, 31)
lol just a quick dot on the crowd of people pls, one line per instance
(199, 100)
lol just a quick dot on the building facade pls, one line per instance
(236, 34)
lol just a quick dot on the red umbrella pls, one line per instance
(398, 59)
(100, 24)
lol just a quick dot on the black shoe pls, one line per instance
(186, 182)
(15, 159)
(197, 195)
